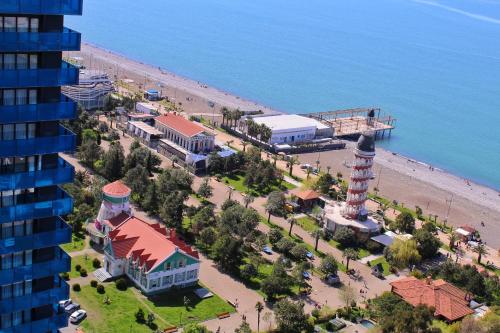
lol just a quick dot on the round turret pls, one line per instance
(366, 143)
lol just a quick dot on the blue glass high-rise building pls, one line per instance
(32, 38)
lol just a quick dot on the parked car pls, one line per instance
(309, 255)
(305, 166)
(332, 279)
(77, 316)
(70, 308)
(306, 275)
(267, 250)
(64, 303)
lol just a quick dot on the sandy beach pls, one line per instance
(398, 177)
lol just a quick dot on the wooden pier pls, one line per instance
(353, 122)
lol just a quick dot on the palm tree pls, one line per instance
(248, 199)
(349, 254)
(244, 144)
(481, 250)
(291, 221)
(452, 238)
(328, 168)
(291, 162)
(225, 112)
(317, 234)
(259, 307)
(308, 172)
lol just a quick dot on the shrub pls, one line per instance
(284, 245)
(96, 263)
(345, 236)
(93, 283)
(83, 272)
(65, 276)
(78, 267)
(113, 136)
(121, 284)
(315, 313)
(248, 271)
(76, 287)
(100, 289)
(139, 316)
(374, 247)
(274, 235)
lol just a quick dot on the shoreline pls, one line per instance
(195, 96)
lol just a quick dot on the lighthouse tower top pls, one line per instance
(115, 200)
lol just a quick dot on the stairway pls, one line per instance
(102, 275)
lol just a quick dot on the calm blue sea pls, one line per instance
(435, 65)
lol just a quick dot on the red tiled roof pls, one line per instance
(180, 124)
(308, 195)
(117, 220)
(148, 243)
(448, 301)
(116, 188)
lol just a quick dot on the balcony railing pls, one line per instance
(60, 235)
(66, 40)
(58, 204)
(50, 324)
(64, 142)
(61, 174)
(67, 74)
(59, 264)
(48, 7)
(62, 110)
(36, 299)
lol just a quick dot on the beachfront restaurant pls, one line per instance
(148, 135)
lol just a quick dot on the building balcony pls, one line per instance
(62, 174)
(49, 324)
(66, 40)
(63, 110)
(50, 296)
(67, 74)
(64, 142)
(57, 204)
(60, 235)
(47, 7)
(59, 264)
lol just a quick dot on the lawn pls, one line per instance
(307, 223)
(384, 263)
(169, 310)
(85, 261)
(236, 180)
(77, 243)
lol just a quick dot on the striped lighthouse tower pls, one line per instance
(360, 176)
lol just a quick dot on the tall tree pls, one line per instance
(317, 234)
(275, 203)
(291, 221)
(205, 190)
(405, 223)
(481, 250)
(403, 254)
(350, 254)
(258, 307)
(290, 317)
(113, 162)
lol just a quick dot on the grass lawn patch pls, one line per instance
(307, 223)
(119, 315)
(384, 263)
(77, 243)
(237, 181)
(362, 252)
(85, 261)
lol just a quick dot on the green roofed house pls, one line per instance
(152, 256)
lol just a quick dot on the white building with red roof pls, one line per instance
(152, 256)
(185, 139)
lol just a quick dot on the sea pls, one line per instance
(432, 64)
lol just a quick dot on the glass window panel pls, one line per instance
(18, 259)
(22, 24)
(21, 96)
(6, 230)
(31, 163)
(22, 61)
(28, 258)
(27, 287)
(27, 316)
(20, 164)
(7, 198)
(29, 227)
(9, 24)
(19, 228)
(33, 96)
(20, 131)
(7, 261)
(8, 132)
(9, 61)
(31, 130)
(34, 24)
(6, 291)
(7, 165)
(6, 320)
(9, 97)
(33, 61)
(18, 289)
(17, 318)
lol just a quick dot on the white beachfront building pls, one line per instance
(292, 128)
